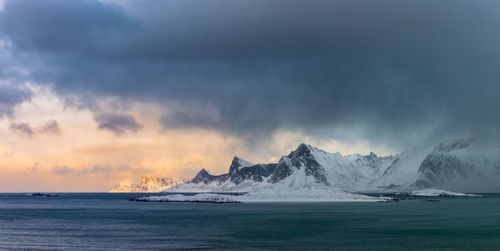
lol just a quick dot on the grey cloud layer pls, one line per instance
(96, 169)
(117, 123)
(385, 69)
(25, 129)
(22, 129)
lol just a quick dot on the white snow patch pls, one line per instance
(243, 163)
(440, 193)
(308, 194)
(351, 172)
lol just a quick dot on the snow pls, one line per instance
(226, 186)
(148, 184)
(348, 172)
(243, 163)
(464, 165)
(403, 172)
(308, 194)
(440, 193)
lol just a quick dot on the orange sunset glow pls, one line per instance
(79, 156)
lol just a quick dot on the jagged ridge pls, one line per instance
(305, 166)
(459, 165)
(148, 184)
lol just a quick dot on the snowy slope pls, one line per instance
(307, 194)
(461, 165)
(440, 193)
(402, 173)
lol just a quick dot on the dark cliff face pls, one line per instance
(288, 164)
(235, 165)
(204, 177)
(256, 173)
(303, 157)
(282, 170)
(237, 173)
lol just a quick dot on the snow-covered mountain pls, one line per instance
(148, 184)
(305, 167)
(465, 165)
(462, 165)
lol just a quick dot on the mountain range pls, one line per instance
(148, 184)
(466, 165)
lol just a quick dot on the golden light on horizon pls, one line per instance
(83, 158)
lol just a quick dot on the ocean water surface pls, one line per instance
(95, 221)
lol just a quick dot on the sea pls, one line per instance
(105, 221)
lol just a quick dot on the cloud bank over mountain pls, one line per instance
(384, 71)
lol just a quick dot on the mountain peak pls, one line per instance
(148, 183)
(302, 150)
(241, 161)
(204, 171)
(202, 176)
(238, 163)
(206, 177)
(450, 145)
(304, 145)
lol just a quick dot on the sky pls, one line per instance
(98, 92)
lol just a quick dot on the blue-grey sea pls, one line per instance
(102, 221)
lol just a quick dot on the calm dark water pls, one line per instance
(110, 221)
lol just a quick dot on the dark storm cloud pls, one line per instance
(384, 69)
(191, 118)
(117, 123)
